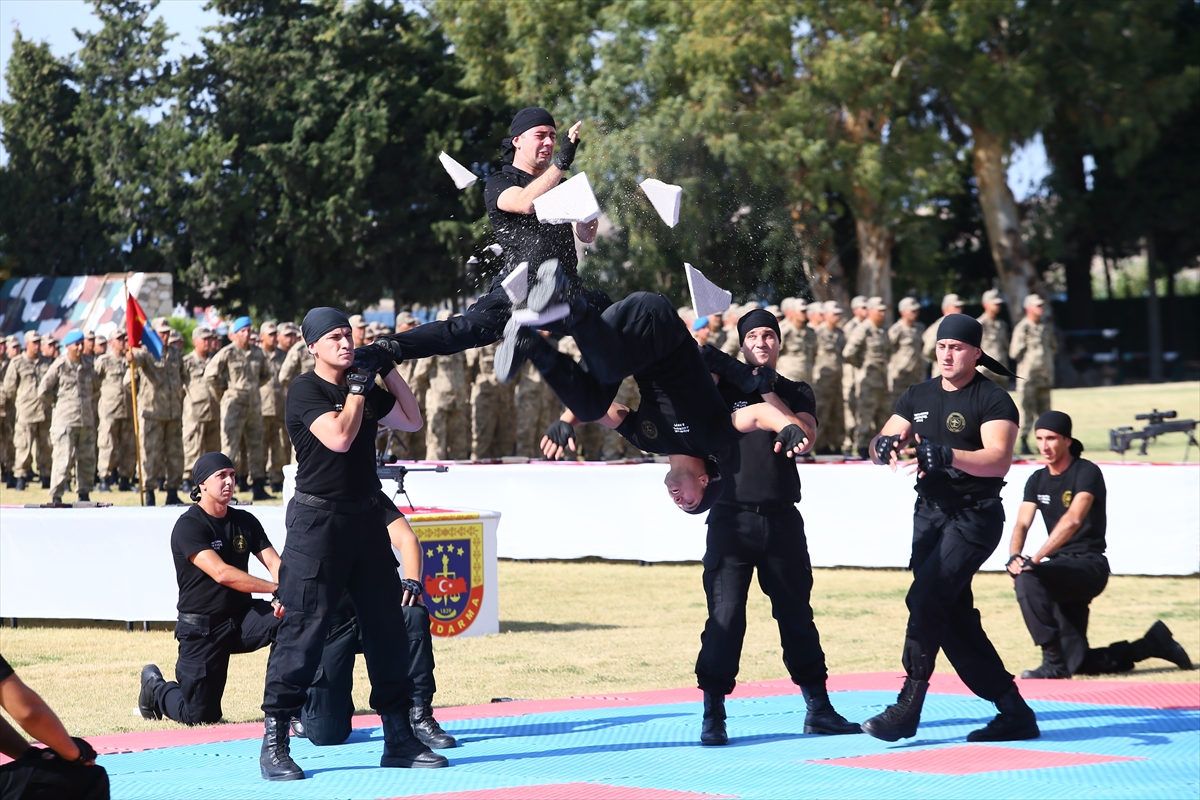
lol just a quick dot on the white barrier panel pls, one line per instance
(856, 514)
(115, 564)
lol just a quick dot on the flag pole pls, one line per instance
(137, 436)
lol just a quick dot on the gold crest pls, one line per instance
(649, 430)
(1066, 498)
(239, 543)
(956, 422)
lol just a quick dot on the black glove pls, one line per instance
(86, 751)
(412, 587)
(885, 446)
(375, 357)
(566, 153)
(560, 432)
(765, 379)
(932, 457)
(792, 438)
(360, 380)
(1024, 559)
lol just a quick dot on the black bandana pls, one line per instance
(525, 119)
(209, 464)
(967, 330)
(758, 318)
(320, 321)
(1060, 423)
(712, 492)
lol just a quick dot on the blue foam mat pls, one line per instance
(655, 747)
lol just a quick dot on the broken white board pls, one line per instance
(461, 176)
(494, 249)
(528, 318)
(665, 197)
(571, 201)
(516, 283)
(707, 297)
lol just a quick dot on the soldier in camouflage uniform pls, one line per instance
(492, 431)
(827, 380)
(8, 414)
(906, 366)
(160, 417)
(869, 350)
(276, 443)
(415, 373)
(117, 445)
(31, 428)
(799, 342)
(201, 408)
(1033, 347)
(995, 334)
(951, 304)
(613, 446)
(858, 308)
(447, 434)
(69, 385)
(236, 372)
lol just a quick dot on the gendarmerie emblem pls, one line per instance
(956, 422)
(453, 575)
(239, 543)
(1066, 498)
(649, 430)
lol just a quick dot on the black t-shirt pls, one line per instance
(955, 419)
(680, 411)
(5, 669)
(320, 471)
(1053, 495)
(521, 235)
(233, 537)
(761, 475)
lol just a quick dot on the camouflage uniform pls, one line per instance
(849, 391)
(70, 387)
(798, 351)
(416, 374)
(906, 366)
(995, 343)
(32, 425)
(114, 431)
(160, 416)
(276, 443)
(201, 413)
(868, 349)
(929, 348)
(7, 416)
(236, 375)
(492, 434)
(827, 384)
(614, 446)
(447, 434)
(297, 362)
(1033, 348)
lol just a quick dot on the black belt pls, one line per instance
(762, 509)
(950, 505)
(336, 506)
(201, 620)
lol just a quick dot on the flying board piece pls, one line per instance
(516, 283)
(494, 249)
(571, 201)
(707, 297)
(462, 176)
(665, 197)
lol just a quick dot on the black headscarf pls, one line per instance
(758, 318)
(209, 464)
(967, 330)
(320, 321)
(712, 492)
(525, 119)
(1060, 423)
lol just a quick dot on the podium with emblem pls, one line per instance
(458, 569)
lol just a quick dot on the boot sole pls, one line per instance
(546, 287)
(820, 731)
(290, 776)
(889, 736)
(1019, 736)
(721, 743)
(404, 763)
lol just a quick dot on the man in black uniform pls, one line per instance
(965, 427)
(211, 544)
(755, 524)
(337, 542)
(1055, 585)
(681, 413)
(326, 718)
(530, 170)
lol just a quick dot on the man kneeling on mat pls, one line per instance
(326, 718)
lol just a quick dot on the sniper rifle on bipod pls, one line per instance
(396, 472)
(1159, 422)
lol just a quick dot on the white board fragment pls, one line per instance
(707, 297)
(665, 197)
(461, 176)
(494, 249)
(516, 283)
(571, 201)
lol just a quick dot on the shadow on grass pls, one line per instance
(522, 626)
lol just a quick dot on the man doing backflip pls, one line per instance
(964, 428)
(1057, 583)
(337, 542)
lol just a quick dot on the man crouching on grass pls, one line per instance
(211, 545)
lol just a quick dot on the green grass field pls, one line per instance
(597, 628)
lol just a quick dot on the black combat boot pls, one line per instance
(186, 486)
(242, 485)
(712, 728)
(19, 485)
(172, 498)
(1015, 722)
(103, 486)
(402, 749)
(123, 484)
(45, 483)
(149, 497)
(1054, 665)
(426, 728)
(821, 717)
(275, 760)
(512, 351)
(297, 728)
(152, 678)
(900, 720)
(1025, 451)
(10, 480)
(260, 491)
(84, 497)
(276, 487)
(1159, 643)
